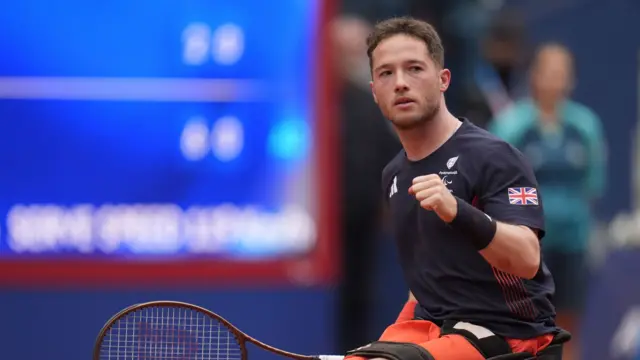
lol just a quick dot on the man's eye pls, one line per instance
(415, 68)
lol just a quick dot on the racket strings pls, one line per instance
(169, 333)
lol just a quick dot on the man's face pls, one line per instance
(407, 85)
(551, 75)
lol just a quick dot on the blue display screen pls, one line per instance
(157, 128)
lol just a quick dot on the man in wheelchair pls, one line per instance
(466, 216)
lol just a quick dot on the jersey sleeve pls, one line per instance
(508, 190)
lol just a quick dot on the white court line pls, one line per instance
(132, 89)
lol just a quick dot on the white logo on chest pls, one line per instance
(446, 175)
(394, 187)
(451, 162)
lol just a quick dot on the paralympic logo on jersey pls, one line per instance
(445, 179)
(446, 174)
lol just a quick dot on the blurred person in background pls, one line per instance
(367, 145)
(564, 142)
(499, 74)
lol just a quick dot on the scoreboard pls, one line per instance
(165, 141)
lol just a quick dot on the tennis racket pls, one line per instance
(172, 330)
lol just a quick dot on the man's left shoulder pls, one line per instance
(486, 146)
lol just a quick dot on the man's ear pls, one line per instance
(445, 79)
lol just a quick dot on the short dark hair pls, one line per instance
(409, 26)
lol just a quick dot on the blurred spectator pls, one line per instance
(367, 145)
(499, 74)
(564, 142)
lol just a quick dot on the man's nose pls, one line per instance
(401, 84)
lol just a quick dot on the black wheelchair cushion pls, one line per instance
(392, 351)
(514, 356)
(551, 352)
(561, 337)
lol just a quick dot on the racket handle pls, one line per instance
(330, 357)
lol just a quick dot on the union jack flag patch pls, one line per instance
(523, 196)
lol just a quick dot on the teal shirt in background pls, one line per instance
(569, 163)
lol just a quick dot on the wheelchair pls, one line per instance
(551, 352)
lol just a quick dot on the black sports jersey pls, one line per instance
(447, 275)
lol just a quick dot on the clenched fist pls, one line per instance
(433, 195)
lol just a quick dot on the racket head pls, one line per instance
(168, 330)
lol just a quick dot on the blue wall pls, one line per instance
(615, 293)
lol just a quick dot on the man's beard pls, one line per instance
(427, 116)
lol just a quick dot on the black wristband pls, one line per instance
(475, 224)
